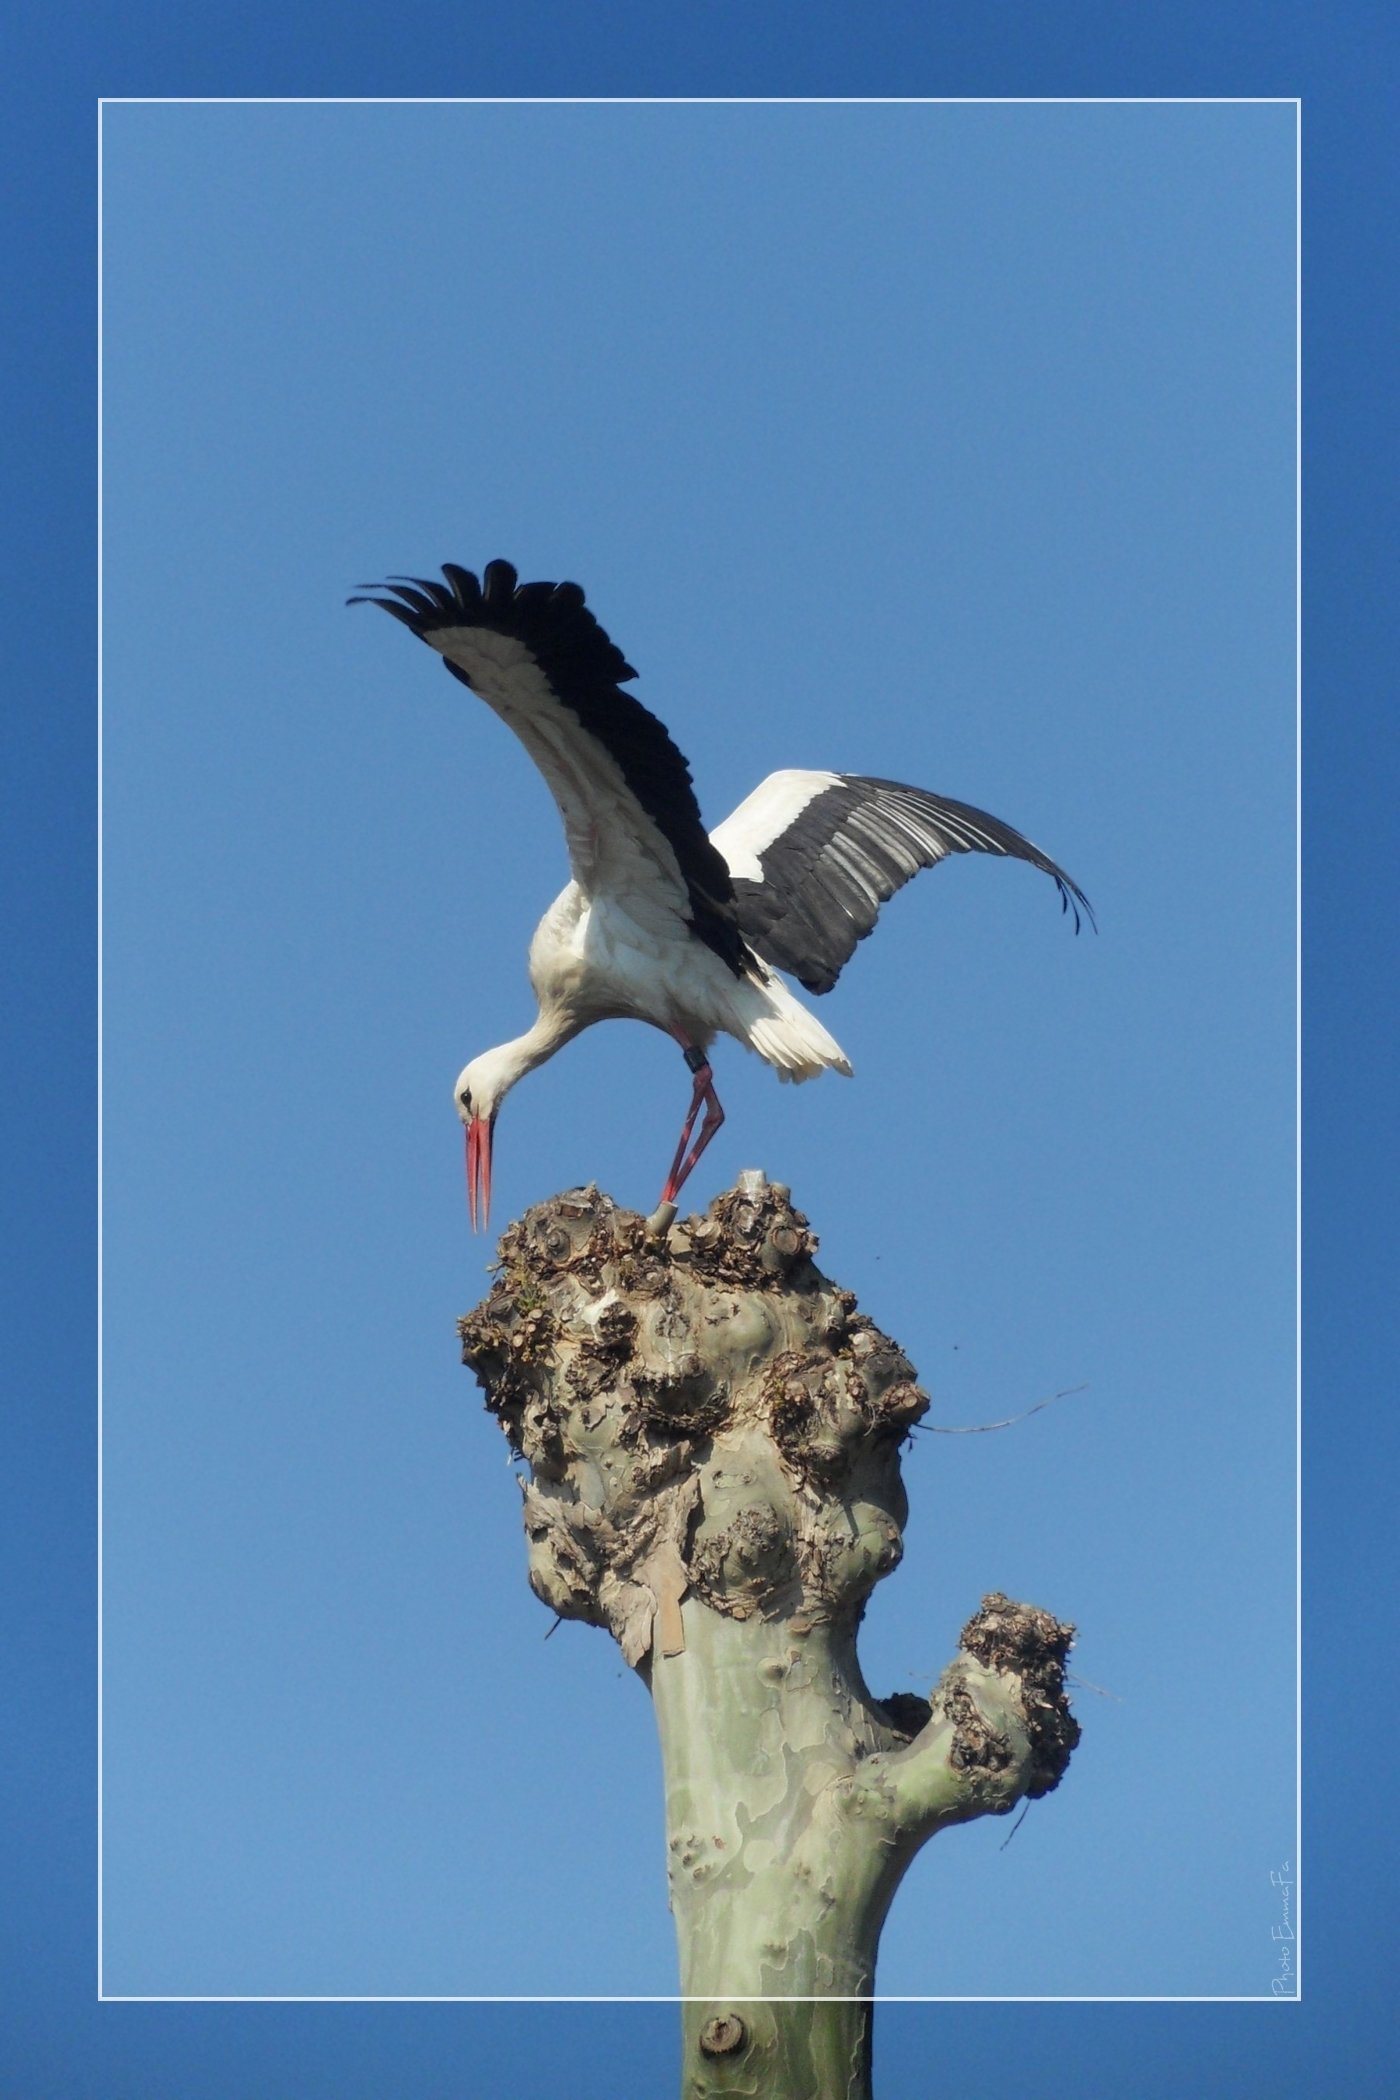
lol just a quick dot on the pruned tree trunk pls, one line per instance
(713, 1433)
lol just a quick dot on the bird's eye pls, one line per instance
(464, 1099)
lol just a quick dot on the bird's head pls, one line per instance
(481, 1087)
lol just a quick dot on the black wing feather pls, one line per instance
(585, 669)
(847, 852)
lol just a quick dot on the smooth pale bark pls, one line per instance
(713, 1434)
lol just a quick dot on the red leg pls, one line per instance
(703, 1090)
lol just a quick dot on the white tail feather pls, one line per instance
(789, 1038)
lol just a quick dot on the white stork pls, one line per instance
(663, 922)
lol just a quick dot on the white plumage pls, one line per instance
(662, 922)
(773, 808)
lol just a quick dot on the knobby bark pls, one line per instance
(713, 1433)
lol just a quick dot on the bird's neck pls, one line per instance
(511, 1061)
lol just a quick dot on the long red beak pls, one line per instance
(479, 1172)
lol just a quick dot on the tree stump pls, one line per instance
(713, 1434)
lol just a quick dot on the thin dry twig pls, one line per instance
(981, 1428)
(1073, 1677)
(1014, 1828)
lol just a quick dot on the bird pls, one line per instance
(662, 921)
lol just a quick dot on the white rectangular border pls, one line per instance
(773, 101)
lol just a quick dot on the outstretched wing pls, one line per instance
(537, 656)
(813, 856)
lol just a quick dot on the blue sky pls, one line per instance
(952, 444)
(307, 1493)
